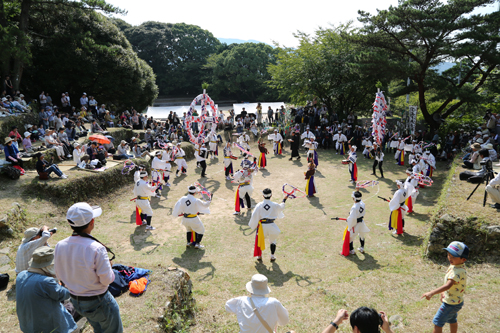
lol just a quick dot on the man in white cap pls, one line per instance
(180, 159)
(307, 135)
(258, 313)
(341, 141)
(263, 217)
(143, 192)
(414, 150)
(39, 296)
(244, 179)
(277, 142)
(398, 209)
(158, 167)
(33, 239)
(82, 264)
(189, 208)
(356, 225)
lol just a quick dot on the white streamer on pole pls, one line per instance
(203, 118)
(379, 123)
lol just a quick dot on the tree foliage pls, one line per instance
(240, 71)
(429, 32)
(176, 52)
(78, 50)
(325, 66)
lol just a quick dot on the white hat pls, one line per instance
(27, 134)
(143, 174)
(82, 213)
(258, 285)
(29, 234)
(158, 153)
(192, 189)
(479, 140)
(486, 135)
(354, 147)
(21, 95)
(399, 183)
(488, 146)
(413, 161)
(4, 99)
(479, 133)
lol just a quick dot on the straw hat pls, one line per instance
(7, 140)
(258, 285)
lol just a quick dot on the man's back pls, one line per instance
(271, 310)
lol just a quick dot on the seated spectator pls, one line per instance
(473, 163)
(110, 147)
(23, 103)
(95, 128)
(12, 153)
(33, 239)
(43, 166)
(92, 151)
(27, 142)
(80, 130)
(18, 106)
(78, 153)
(138, 151)
(14, 132)
(258, 313)
(62, 136)
(362, 320)
(108, 119)
(51, 142)
(39, 297)
(122, 151)
(493, 152)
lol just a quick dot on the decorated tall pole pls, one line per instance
(379, 122)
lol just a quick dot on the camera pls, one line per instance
(53, 231)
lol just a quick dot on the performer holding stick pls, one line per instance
(262, 157)
(341, 141)
(353, 168)
(411, 186)
(355, 226)
(179, 156)
(143, 192)
(189, 208)
(158, 167)
(263, 217)
(277, 142)
(228, 161)
(167, 158)
(379, 160)
(398, 209)
(310, 185)
(244, 178)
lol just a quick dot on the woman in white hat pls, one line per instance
(258, 313)
(12, 153)
(27, 142)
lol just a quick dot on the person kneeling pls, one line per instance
(42, 166)
(39, 296)
(362, 320)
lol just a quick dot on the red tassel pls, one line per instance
(237, 201)
(138, 220)
(410, 205)
(193, 237)
(257, 252)
(400, 222)
(345, 246)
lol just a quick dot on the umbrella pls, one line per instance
(99, 138)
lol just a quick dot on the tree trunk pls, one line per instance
(423, 107)
(22, 42)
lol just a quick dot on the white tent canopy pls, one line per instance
(162, 112)
(252, 107)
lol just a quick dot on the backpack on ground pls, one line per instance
(12, 172)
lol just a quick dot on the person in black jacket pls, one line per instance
(43, 166)
(294, 145)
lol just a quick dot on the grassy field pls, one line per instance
(310, 278)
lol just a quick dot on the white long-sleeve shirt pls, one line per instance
(271, 310)
(83, 265)
(266, 210)
(190, 205)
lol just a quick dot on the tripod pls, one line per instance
(488, 176)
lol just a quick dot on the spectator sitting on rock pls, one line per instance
(51, 142)
(122, 151)
(39, 296)
(12, 153)
(80, 130)
(15, 135)
(27, 142)
(95, 128)
(23, 103)
(43, 166)
(109, 120)
(78, 153)
(62, 136)
(33, 239)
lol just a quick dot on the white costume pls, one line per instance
(143, 191)
(355, 221)
(411, 186)
(341, 138)
(277, 139)
(245, 188)
(308, 135)
(430, 162)
(266, 212)
(244, 141)
(400, 147)
(158, 168)
(189, 207)
(180, 160)
(213, 143)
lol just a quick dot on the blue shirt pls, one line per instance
(10, 151)
(39, 307)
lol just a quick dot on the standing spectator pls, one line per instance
(270, 115)
(44, 118)
(93, 105)
(9, 88)
(84, 100)
(259, 114)
(258, 313)
(39, 297)
(33, 239)
(82, 263)
(48, 99)
(43, 100)
(65, 102)
(58, 122)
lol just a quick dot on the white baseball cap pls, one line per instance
(82, 213)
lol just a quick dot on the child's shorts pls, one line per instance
(447, 314)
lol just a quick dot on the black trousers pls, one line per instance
(203, 165)
(379, 167)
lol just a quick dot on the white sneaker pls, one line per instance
(394, 231)
(259, 258)
(144, 222)
(273, 258)
(150, 227)
(361, 249)
(352, 252)
(69, 156)
(167, 184)
(188, 244)
(64, 176)
(158, 195)
(236, 213)
(228, 178)
(199, 247)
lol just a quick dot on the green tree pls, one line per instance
(176, 52)
(325, 66)
(87, 52)
(241, 72)
(16, 33)
(428, 32)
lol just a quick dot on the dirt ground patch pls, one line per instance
(309, 277)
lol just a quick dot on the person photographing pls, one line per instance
(82, 264)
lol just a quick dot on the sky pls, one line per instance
(265, 21)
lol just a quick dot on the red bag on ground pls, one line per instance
(20, 169)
